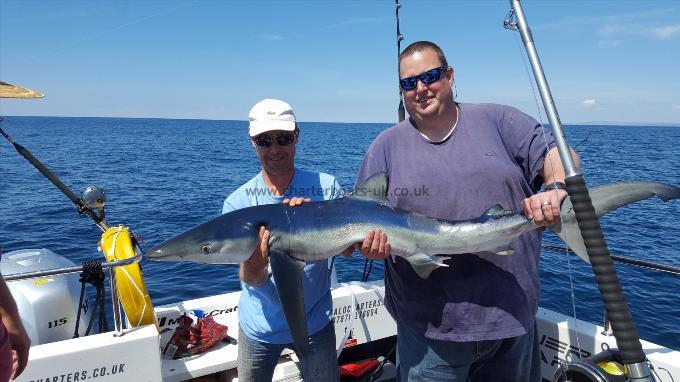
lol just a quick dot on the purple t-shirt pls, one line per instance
(494, 156)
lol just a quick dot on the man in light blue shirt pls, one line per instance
(264, 331)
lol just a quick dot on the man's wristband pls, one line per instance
(555, 186)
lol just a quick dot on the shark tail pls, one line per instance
(606, 198)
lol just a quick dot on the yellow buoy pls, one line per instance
(612, 367)
(116, 244)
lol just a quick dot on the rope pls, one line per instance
(94, 275)
(368, 273)
(352, 312)
(377, 373)
(368, 264)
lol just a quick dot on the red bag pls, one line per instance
(206, 334)
(357, 370)
(180, 338)
(188, 340)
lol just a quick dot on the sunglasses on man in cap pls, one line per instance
(282, 139)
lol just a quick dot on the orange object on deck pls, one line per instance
(357, 370)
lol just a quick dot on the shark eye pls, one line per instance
(206, 248)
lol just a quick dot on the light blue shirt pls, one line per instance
(260, 314)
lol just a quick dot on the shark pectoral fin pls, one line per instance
(504, 250)
(423, 264)
(567, 229)
(287, 273)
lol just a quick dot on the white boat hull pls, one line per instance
(135, 356)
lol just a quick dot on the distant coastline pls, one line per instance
(636, 124)
(567, 124)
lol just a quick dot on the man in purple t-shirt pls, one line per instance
(474, 320)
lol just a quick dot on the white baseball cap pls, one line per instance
(270, 114)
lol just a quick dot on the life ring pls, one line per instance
(116, 244)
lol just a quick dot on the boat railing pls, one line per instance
(109, 265)
(674, 270)
(628, 261)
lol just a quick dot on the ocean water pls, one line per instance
(164, 176)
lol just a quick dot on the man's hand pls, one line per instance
(294, 202)
(374, 246)
(544, 207)
(254, 270)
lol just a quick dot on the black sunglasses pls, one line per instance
(282, 139)
(428, 77)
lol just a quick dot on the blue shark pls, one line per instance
(319, 230)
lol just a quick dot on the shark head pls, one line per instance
(227, 239)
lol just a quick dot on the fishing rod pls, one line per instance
(368, 265)
(93, 197)
(400, 37)
(626, 260)
(616, 307)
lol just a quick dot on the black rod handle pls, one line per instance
(615, 305)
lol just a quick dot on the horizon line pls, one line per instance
(586, 123)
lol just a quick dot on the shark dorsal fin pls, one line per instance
(496, 212)
(373, 188)
(492, 213)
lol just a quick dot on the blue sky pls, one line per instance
(606, 61)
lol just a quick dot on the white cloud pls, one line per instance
(658, 32)
(271, 37)
(613, 19)
(588, 103)
(612, 29)
(666, 31)
(609, 30)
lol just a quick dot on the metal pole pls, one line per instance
(65, 271)
(116, 303)
(548, 102)
(400, 109)
(616, 307)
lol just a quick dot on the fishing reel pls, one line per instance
(605, 366)
(94, 198)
